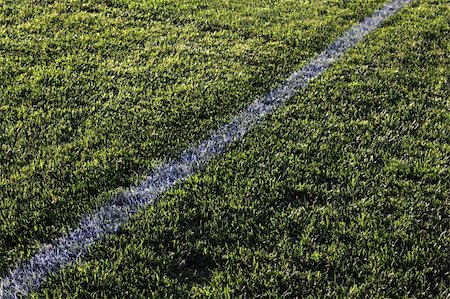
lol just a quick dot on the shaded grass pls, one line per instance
(93, 94)
(342, 193)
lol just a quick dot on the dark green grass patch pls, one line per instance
(342, 193)
(95, 93)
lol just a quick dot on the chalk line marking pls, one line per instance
(106, 220)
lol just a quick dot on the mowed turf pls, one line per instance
(342, 193)
(95, 93)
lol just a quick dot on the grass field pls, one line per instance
(344, 192)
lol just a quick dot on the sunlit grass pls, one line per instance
(342, 193)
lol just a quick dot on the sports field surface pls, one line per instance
(342, 189)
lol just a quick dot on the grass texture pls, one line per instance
(342, 193)
(95, 93)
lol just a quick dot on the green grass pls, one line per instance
(95, 93)
(342, 193)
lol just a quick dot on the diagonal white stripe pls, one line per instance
(106, 220)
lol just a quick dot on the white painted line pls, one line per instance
(53, 257)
